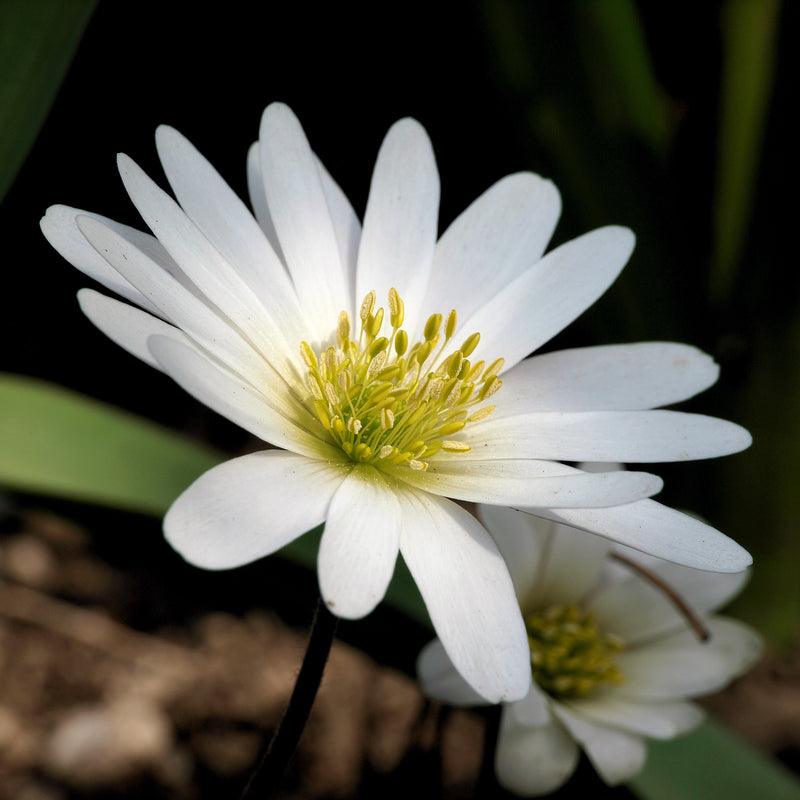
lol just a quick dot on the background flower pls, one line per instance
(614, 660)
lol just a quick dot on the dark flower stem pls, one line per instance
(272, 764)
(693, 620)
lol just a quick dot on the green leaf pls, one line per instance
(715, 764)
(56, 442)
(749, 29)
(37, 41)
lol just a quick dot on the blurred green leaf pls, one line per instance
(749, 30)
(37, 41)
(59, 443)
(627, 96)
(715, 764)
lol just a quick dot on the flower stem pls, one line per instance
(693, 620)
(264, 780)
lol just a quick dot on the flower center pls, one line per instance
(570, 656)
(387, 402)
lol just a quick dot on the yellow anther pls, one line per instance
(376, 364)
(450, 325)
(490, 387)
(367, 304)
(378, 346)
(308, 355)
(386, 451)
(331, 394)
(387, 418)
(314, 386)
(454, 364)
(450, 428)
(322, 413)
(494, 368)
(454, 446)
(374, 323)
(331, 360)
(422, 354)
(470, 343)
(401, 343)
(354, 425)
(338, 426)
(344, 380)
(343, 330)
(432, 326)
(419, 466)
(396, 309)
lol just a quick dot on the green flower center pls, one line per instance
(570, 656)
(386, 402)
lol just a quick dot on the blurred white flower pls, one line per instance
(613, 659)
(337, 343)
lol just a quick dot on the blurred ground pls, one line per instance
(92, 708)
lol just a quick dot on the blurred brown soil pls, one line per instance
(90, 707)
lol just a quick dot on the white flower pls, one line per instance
(613, 658)
(277, 322)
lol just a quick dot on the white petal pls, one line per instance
(617, 756)
(442, 681)
(570, 566)
(250, 507)
(127, 326)
(258, 199)
(533, 761)
(636, 610)
(276, 338)
(622, 377)
(627, 436)
(529, 483)
(680, 666)
(656, 720)
(235, 399)
(521, 539)
(534, 709)
(499, 235)
(660, 531)
(227, 223)
(347, 229)
(60, 227)
(400, 223)
(299, 210)
(179, 305)
(547, 297)
(469, 595)
(360, 542)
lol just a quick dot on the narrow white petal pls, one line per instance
(180, 306)
(276, 338)
(360, 543)
(300, 213)
(655, 720)
(533, 709)
(621, 377)
(680, 666)
(660, 531)
(250, 507)
(347, 229)
(60, 227)
(469, 595)
(230, 227)
(627, 436)
(529, 483)
(442, 681)
(533, 761)
(258, 200)
(521, 539)
(617, 756)
(126, 325)
(637, 610)
(570, 566)
(400, 223)
(493, 241)
(547, 297)
(237, 400)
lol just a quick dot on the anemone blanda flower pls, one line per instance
(336, 342)
(613, 660)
